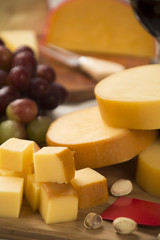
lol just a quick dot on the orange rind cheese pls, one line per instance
(98, 26)
(94, 142)
(130, 99)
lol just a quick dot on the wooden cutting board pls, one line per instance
(80, 86)
(30, 225)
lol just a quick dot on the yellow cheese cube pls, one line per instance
(54, 164)
(148, 169)
(130, 99)
(16, 154)
(11, 173)
(32, 192)
(58, 202)
(91, 187)
(11, 192)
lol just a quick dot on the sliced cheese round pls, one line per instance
(95, 143)
(148, 169)
(98, 26)
(131, 98)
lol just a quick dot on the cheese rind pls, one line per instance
(130, 99)
(16, 154)
(58, 203)
(148, 169)
(91, 188)
(11, 192)
(95, 144)
(54, 164)
(98, 26)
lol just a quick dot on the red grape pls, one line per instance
(51, 101)
(7, 95)
(3, 78)
(60, 90)
(24, 49)
(1, 42)
(39, 87)
(46, 72)
(6, 57)
(19, 78)
(23, 110)
(27, 60)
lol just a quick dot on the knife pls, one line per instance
(94, 67)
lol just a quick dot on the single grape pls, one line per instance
(27, 60)
(51, 101)
(61, 91)
(2, 42)
(19, 78)
(3, 78)
(23, 49)
(23, 110)
(37, 129)
(6, 57)
(39, 88)
(7, 95)
(11, 128)
(45, 71)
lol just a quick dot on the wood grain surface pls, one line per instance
(30, 225)
(80, 86)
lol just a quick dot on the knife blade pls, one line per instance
(94, 67)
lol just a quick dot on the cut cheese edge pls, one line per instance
(94, 142)
(16, 38)
(98, 26)
(148, 169)
(130, 98)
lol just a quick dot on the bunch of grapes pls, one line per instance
(27, 91)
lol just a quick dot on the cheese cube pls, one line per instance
(91, 187)
(148, 169)
(10, 173)
(16, 154)
(32, 192)
(54, 164)
(58, 202)
(11, 192)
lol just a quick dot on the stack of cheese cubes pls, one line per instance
(49, 181)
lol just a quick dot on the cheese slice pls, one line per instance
(91, 188)
(16, 38)
(130, 98)
(148, 169)
(95, 143)
(98, 26)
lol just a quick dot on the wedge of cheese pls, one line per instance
(94, 142)
(98, 26)
(131, 99)
(148, 169)
(17, 38)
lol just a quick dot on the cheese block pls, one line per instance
(91, 188)
(32, 192)
(58, 203)
(16, 154)
(11, 192)
(148, 169)
(94, 142)
(16, 38)
(54, 164)
(98, 26)
(130, 98)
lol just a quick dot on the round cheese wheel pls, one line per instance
(131, 98)
(95, 143)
